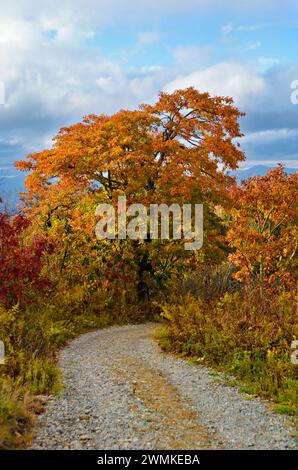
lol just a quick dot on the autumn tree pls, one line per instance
(177, 150)
(264, 232)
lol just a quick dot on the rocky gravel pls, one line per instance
(121, 392)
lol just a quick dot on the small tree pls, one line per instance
(264, 229)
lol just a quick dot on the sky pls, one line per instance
(62, 60)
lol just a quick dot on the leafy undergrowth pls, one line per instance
(243, 335)
(18, 409)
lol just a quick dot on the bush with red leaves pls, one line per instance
(20, 262)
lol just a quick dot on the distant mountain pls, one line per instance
(257, 170)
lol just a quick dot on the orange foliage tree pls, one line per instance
(264, 232)
(176, 150)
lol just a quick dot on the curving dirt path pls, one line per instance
(122, 392)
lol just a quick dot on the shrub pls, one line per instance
(241, 333)
(211, 283)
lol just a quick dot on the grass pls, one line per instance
(247, 390)
(17, 415)
(285, 410)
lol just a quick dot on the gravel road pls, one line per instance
(122, 392)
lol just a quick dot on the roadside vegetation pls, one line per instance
(242, 316)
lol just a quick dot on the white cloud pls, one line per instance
(267, 62)
(270, 123)
(148, 37)
(250, 27)
(144, 40)
(52, 77)
(191, 57)
(226, 79)
(253, 45)
(227, 28)
(270, 135)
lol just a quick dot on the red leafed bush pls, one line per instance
(20, 261)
